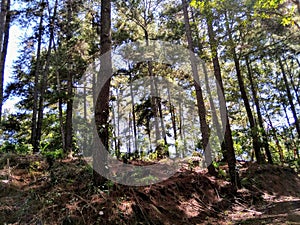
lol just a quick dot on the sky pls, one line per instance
(15, 35)
(12, 55)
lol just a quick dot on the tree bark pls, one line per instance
(290, 97)
(173, 119)
(43, 84)
(4, 36)
(69, 110)
(231, 160)
(273, 129)
(199, 95)
(133, 115)
(60, 102)
(219, 129)
(259, 115)
(102, 102)
(253, 127)
(36, 91)
(289, 69)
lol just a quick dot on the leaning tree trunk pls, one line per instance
(102, 102)
(295, 89)
(290, 97)
(199, 95)
(253, 127)
(259, 115)
(231, 160)
(4, 36)
(274, 131)
(43, 84)
(216, 123)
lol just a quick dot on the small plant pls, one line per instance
(57, 154)
(34, 166)
(196, 154)
(152, 156)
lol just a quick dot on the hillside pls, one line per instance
(64, 194)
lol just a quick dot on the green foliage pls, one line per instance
(34, 166)
(196, 154)
(24, 149)
(162, 150)
(152, 156)
(8, 147)
(221, 172)
(295, 164)
(56, 154)
(262, 31)
(18, 148)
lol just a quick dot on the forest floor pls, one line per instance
(31, 193)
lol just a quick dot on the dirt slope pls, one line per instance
(64, 194)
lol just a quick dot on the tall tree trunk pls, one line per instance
(60, 102)
(182, 130)
(260, 119)
(118, 147)
(173, 119)
(275, 135)
(102, 103)
(3, 14)
(4, 37)
(231, 160)
(162, 123)
(253, 127)
(289, 95)
(36, 91)
(154, 95)
(154, 103)
(129, 135)
(216, 123)
(43, 84)
(289, 69)
(133, 115)
(69, 110)
(199, 95)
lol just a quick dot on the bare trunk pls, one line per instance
(102, 102)
(295, 89)
(133, 115)
(275, 136)
(154, 102)
(199, 95)
(60, 104)
(162, 124)
(36, 91)
(173, 118)
(260, 119)
(69, 110)
(231, 160)
(290, 97)
(43, 84)
(219, 129)
(4, 37)
(253, 127)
